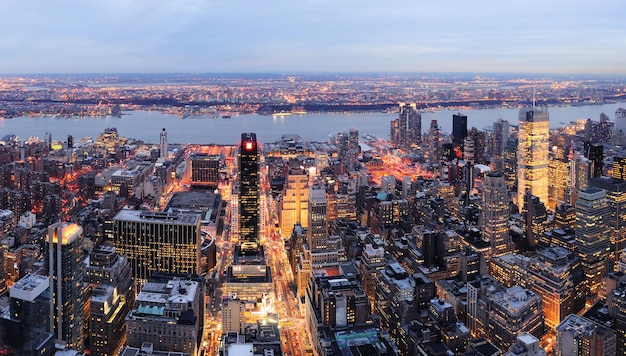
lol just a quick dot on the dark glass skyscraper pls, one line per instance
(459, 129)
(249, 191)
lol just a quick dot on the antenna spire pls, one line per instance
(534, 99)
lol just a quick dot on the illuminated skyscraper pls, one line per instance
(532, 155)
(65, 263)
(249, 195)
(496, 214)
(459, 131)
(318, 225)
(163, 144)
(409, 126)
(294, 202)
(158, 242)
(592, 235)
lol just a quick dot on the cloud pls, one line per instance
(319, 35)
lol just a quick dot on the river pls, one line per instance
(147, 125)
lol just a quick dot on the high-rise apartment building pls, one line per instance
(535, 219)
(496, 214)
(249, 191)
(163, 144)
(592, 235)
(158, 242)
(620, 120)
(532, 154)
(65, 264)
(294, 202)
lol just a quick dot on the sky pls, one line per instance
(289, 36)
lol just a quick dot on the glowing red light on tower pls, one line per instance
(249, 145)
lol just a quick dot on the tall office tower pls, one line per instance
(459, 129)
(616, 221)
(294, 202)
(532, 154)
(479, 140)
(619, 167)
(535, 217)
(205, 169)
(496, 214)
(595, 153)
(113, 295)
(559, 182)
(434, 142)
(65, 264)
(501, 313)
(620, 120)
(26, 329)
(592, 235)
(317, 233)
(158, 242)
(501, 132)
(409, 126)
(70, 142)
(249, 191)
(163, 144)
(580, 336)
(168, 313)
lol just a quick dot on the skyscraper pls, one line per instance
(592, 235)
(496, 214)
(500, 137)
(595, 153)
(249, 195)
(318, 227)
(65, 263)
(434, 142)
(294, 202)
(158, 242)
(619, 167)
(409, 125)
(532, 155)
(163, 144)
(459, 131)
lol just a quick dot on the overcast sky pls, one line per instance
(122, 36)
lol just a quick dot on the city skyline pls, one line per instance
(219, 36)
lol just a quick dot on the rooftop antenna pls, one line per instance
(534, 99)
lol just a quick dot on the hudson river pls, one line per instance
(146, 126)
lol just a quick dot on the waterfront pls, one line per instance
(146, 125)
